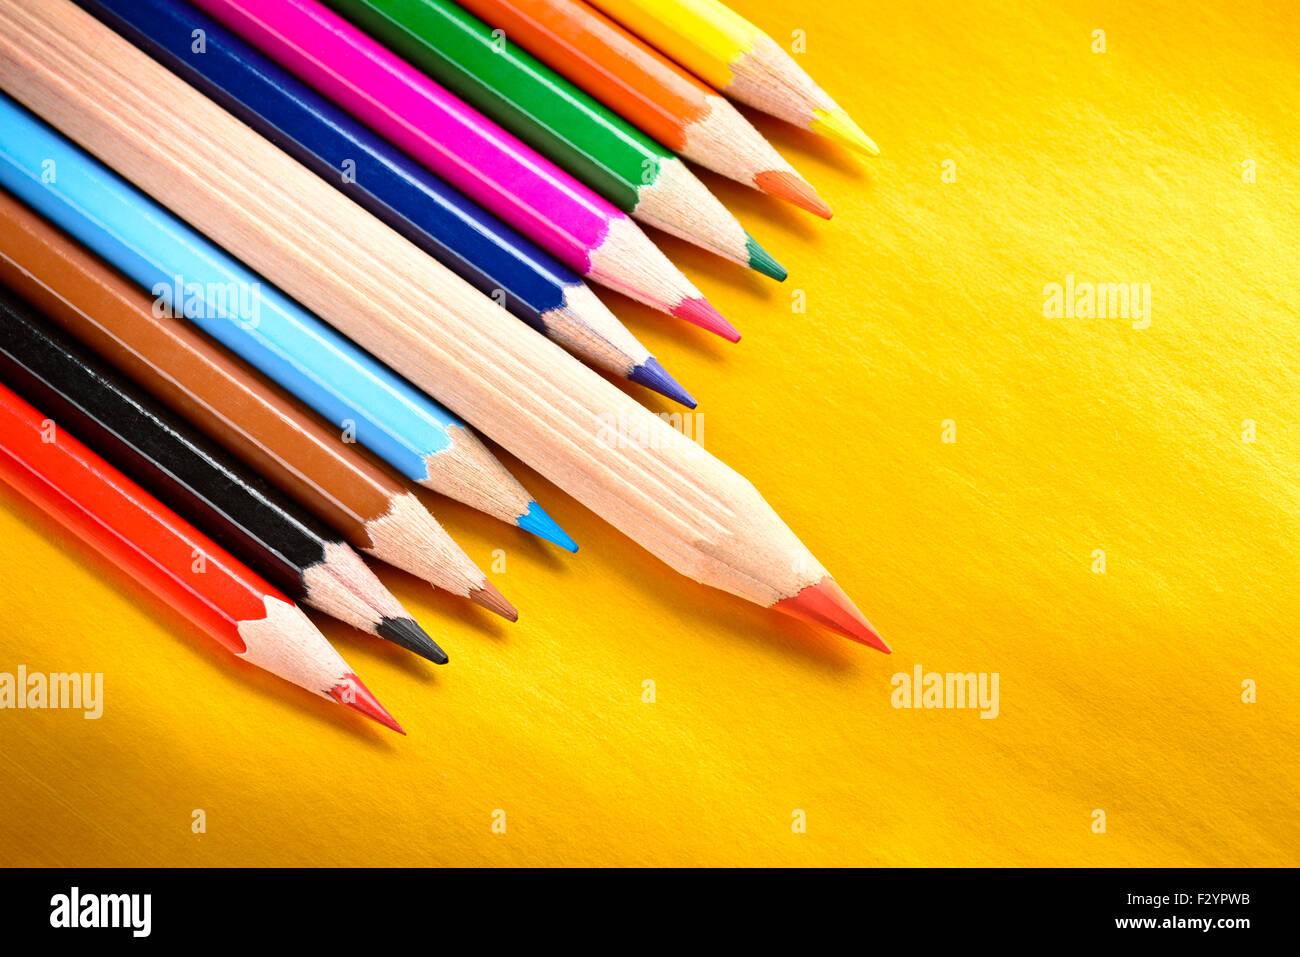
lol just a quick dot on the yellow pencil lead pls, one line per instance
(837, 125)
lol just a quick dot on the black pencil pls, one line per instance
(286, 545)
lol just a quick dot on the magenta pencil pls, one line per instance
(464, 147)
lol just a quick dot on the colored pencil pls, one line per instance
(580, 431)
(576, 132)
(735, 57)
(299, 555)
(157, 548)
(477, 246)
(648, 89)
(483, 161)
(233, 405)
(377, 408)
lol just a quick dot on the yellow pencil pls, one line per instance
(737, 58)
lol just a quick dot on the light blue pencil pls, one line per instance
(191, 276)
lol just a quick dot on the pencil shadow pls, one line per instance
(700, 261)
(457, 516)
(537, 549)
(185, 631)
(652, 400)
(446, 607)
(728, 618)
(469, 525)
(637, 316)
(346, 638)
(800, 145)
(787, 222)
(723, 617)
(732, 619)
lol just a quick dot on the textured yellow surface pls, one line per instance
(1119, 692)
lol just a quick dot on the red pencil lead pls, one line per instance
(351, 691)
(826, 604)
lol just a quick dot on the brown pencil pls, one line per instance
(231, 403)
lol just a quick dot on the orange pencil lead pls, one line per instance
(793, 189)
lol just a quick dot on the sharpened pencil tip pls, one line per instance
(793, 189)
(408, 633)
(826, 604)
(700, 313)
(352, 693)
(493, 601)
(760, 260)
(543, 526)
(837, 125)
(653, 376)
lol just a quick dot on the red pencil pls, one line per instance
(138, 533)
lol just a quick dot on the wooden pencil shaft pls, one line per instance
(165, 255)
(482, 250)
(578, 430)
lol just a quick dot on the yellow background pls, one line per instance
(1119, 692)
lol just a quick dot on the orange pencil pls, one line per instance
(648, 90)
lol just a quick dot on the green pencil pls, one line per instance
(560, 121)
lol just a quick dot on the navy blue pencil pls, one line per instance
(396, 189)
